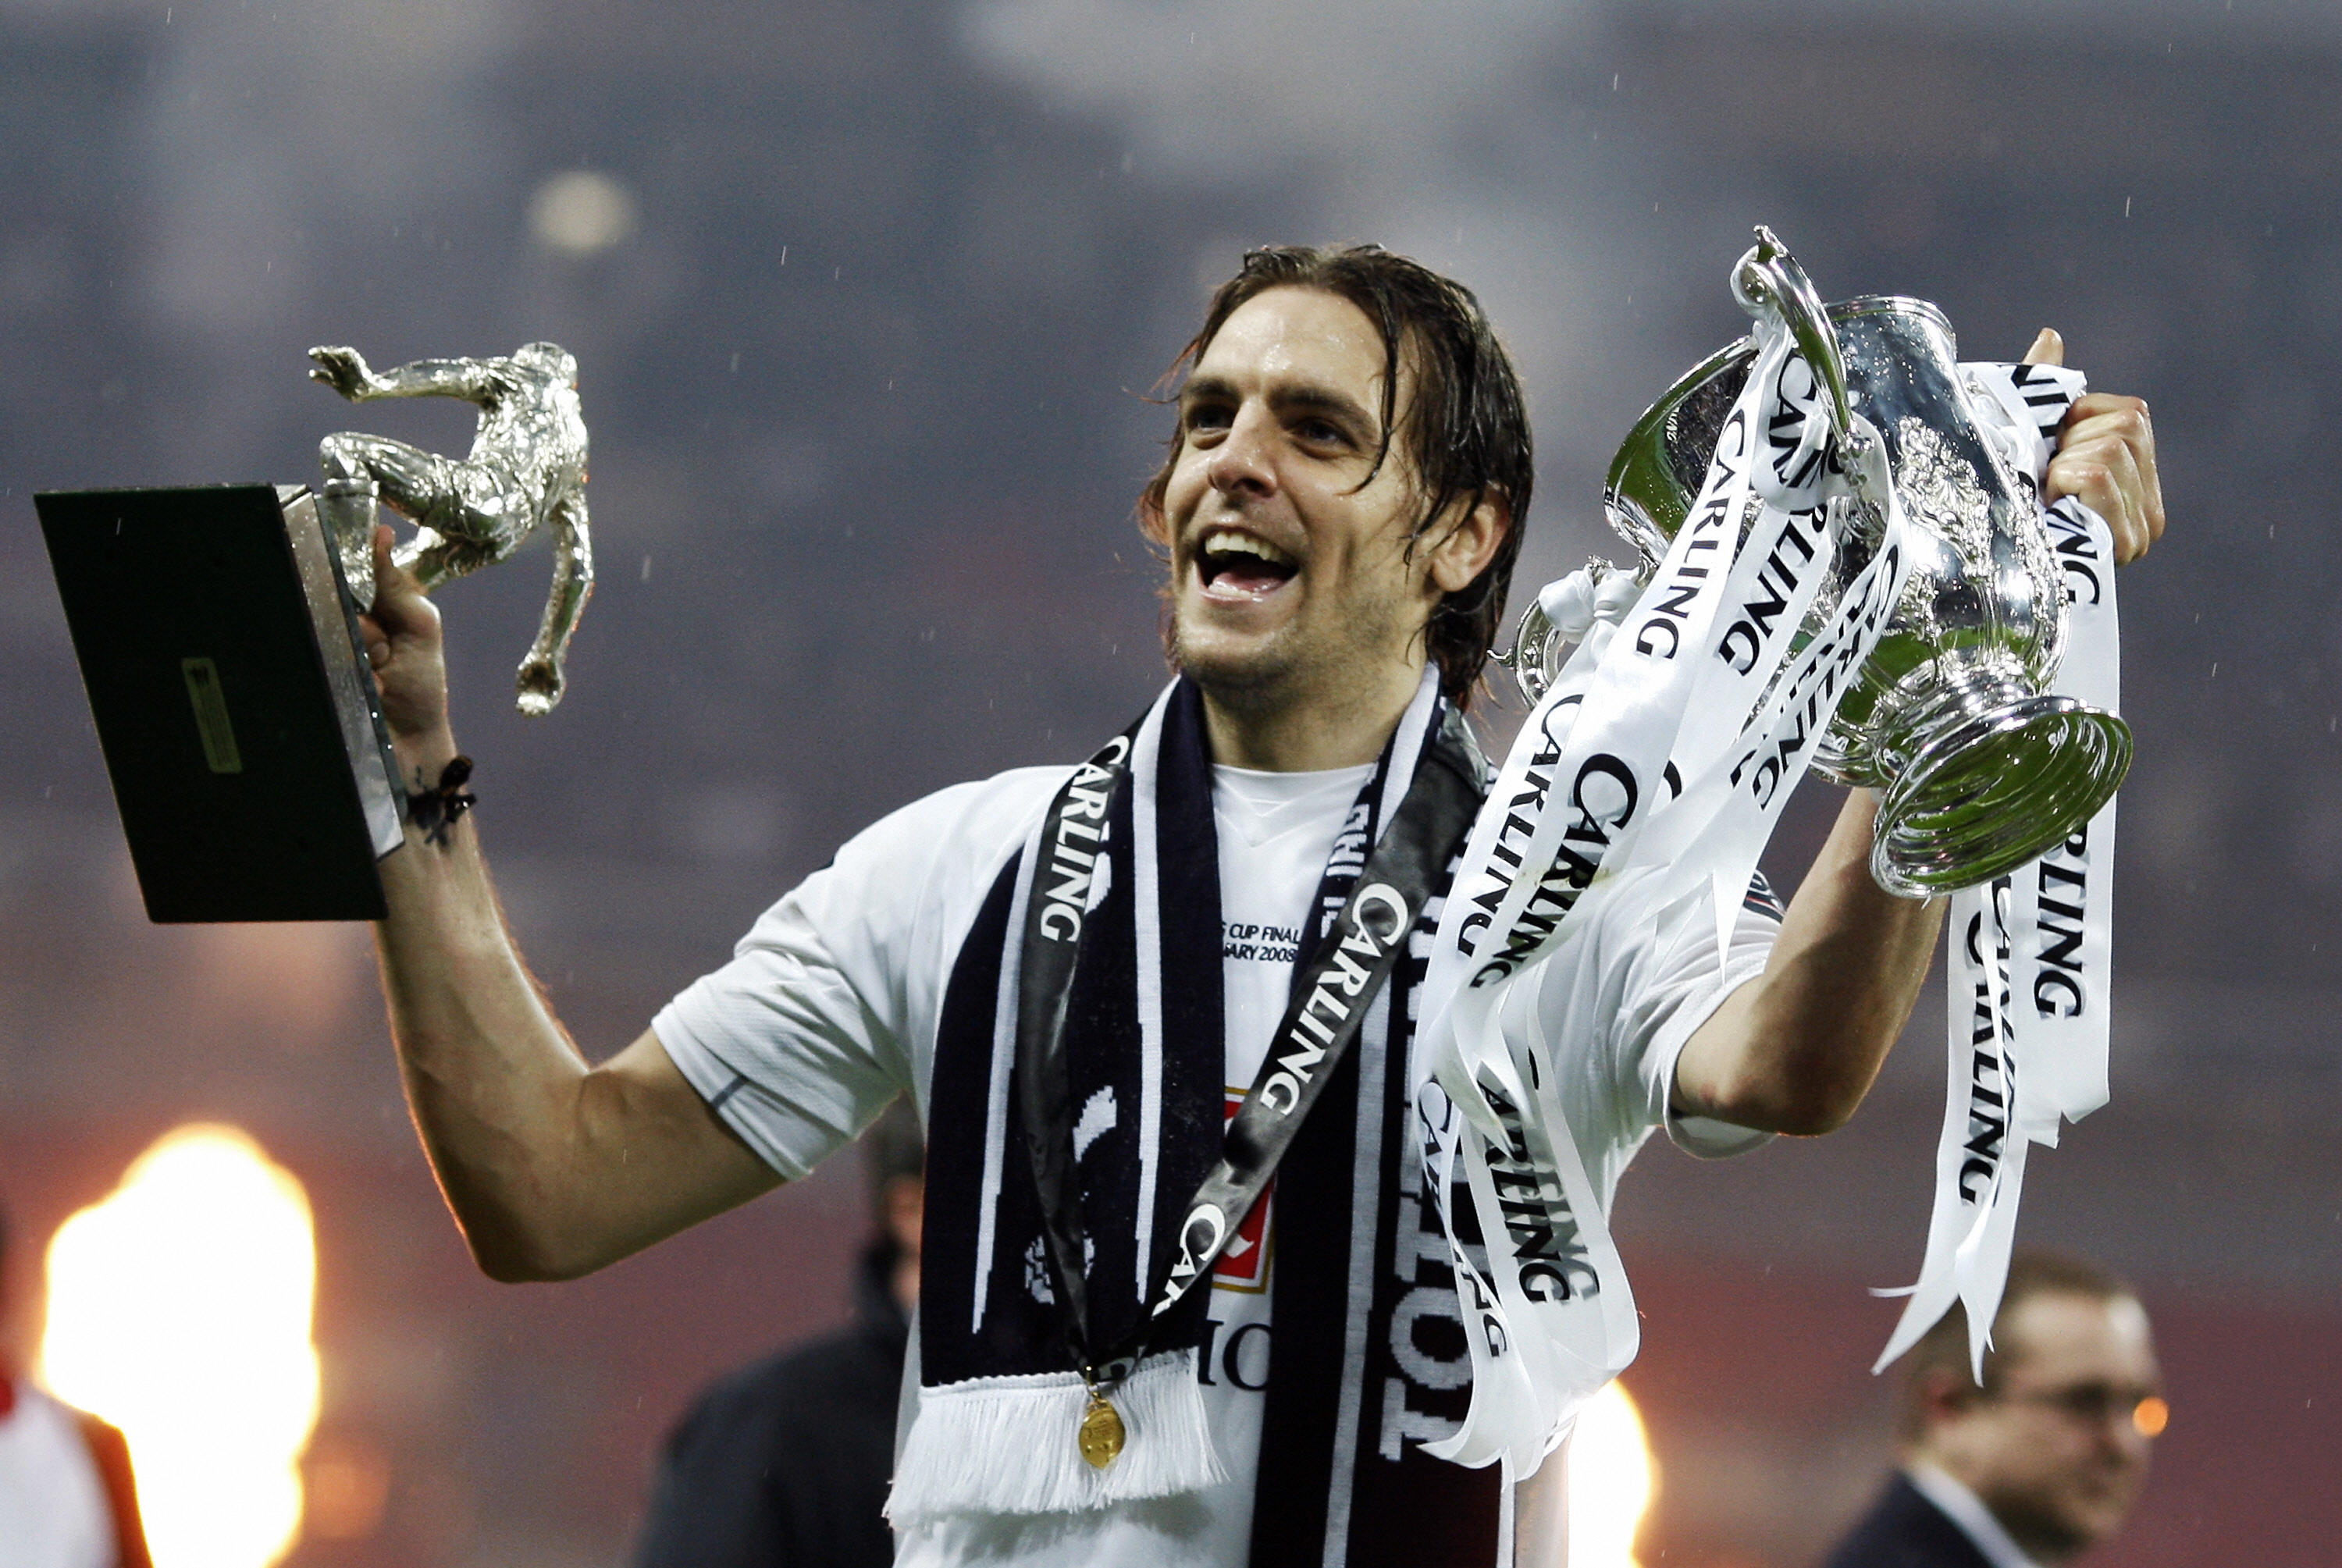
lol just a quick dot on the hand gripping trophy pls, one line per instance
(527, 468)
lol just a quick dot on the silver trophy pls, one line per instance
(526, 470)
(1983, 768)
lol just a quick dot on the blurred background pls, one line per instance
(869, 298)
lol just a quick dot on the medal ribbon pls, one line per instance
(1352, 961)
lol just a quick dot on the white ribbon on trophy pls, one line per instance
(1652, 771)
(2025, 988)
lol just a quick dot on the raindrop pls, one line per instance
(735, 362)
(2126, 206)
(646, 568)
(784, 255)
(1613, 80)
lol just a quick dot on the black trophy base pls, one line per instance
(239, 719)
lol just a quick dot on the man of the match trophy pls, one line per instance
(217, 632)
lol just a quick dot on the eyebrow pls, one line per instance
(1289, 399)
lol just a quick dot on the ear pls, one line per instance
(1946, 1396)
(1457, 557)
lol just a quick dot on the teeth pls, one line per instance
(1229, 542)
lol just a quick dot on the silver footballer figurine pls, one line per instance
(527, 469)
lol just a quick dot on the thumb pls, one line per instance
(2047, 349)
(398, 601)
(386, 575)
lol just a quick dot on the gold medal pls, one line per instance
(1100, 1435)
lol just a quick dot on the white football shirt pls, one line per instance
(830, 1006)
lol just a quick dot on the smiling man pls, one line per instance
(1141, 1341)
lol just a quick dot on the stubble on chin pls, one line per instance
(1242, 680)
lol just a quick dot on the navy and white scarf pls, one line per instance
(1367, 1345)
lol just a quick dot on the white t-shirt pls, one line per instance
(830, 1006)
(54, 1511)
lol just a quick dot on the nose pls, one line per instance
(1241, 468)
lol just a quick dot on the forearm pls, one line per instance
(493, 1082)
(553, 1168)
(430, 378)
(1795, 1049)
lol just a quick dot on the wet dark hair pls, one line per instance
(1466, 424)
(1945, 1347)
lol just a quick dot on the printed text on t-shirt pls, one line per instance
(1243, 939)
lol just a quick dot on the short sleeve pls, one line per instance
(827, 1011)
(1615, 1013)
(1683, 993)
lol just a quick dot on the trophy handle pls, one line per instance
(1542, 646)
(1768, 282)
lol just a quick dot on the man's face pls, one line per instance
(2059, 1452)
(1288, 578)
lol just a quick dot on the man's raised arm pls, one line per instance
(345, 371)
(553, 1168)
(1795, 1049)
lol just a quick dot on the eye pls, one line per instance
(1320, 432)
(1205, 416)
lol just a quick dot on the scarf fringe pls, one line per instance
(1006, 1444)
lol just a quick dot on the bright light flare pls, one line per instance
(178, 1309)
(582, 212)
(1611, 1478)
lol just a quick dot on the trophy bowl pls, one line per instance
(1982, 767)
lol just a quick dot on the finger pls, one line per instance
(2104, 477)
(2047, 348)
(393, 590)
(377, 641)
(2099, 417)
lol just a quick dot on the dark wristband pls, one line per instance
(434, 811)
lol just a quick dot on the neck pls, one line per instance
(1285, 732)
(2048, 1549)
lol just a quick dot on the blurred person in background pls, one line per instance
(785, 1463)
(2046, 1459)
(67, 1499)
(1338, 512)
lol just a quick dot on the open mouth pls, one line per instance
(1237, 566)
